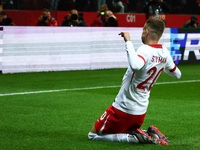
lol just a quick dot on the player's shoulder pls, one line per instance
(149, 48)
(165, 48)
(142, 48)
(145, 49)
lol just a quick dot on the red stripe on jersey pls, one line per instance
(156, 45)
(173, 69)
(142, 58)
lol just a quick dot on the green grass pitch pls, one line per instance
(61, 120)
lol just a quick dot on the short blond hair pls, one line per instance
(156, 26)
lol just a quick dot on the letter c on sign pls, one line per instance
(128, 18)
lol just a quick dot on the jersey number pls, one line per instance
(152, 73)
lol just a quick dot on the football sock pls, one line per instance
(121, 137)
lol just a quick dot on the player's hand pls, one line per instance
(41, 18)
(195, 25)
(76, 21)
(189, 21)
(125, 35)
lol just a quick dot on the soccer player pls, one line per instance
(121, 121)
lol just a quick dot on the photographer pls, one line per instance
(73, 19)
(192, 23)
(100, 20)
(5, 20)
(46, 20)
(110, 19)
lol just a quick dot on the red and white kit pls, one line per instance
(145, 66)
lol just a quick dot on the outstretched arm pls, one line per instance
(135, 61)
(171, 69)
(175, 72)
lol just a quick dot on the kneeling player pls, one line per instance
(121, 122)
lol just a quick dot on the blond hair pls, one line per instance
(155, 26)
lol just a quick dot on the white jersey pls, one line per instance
(145, 66)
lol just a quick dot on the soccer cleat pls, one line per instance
(143, 137)
(155, 133)
(162, 142)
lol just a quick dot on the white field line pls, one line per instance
(90, 88)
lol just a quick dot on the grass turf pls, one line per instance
(62, 120)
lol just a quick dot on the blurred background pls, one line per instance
(135, 6)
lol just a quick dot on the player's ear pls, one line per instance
(147, 32)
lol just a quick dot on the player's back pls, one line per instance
(155, 57)
(136, 85)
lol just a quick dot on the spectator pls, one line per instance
(8, 4)
(46, 20)
(3, 15)
(99, 3)
(156, 8)
(5, 20)
(192, 23)
(100, 20)
(110, 19)
(118, 5)
(73, 19)
(103, 8)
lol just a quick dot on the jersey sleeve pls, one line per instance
(136, 61)
(171, 69)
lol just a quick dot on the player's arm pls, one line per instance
(175, 72)
(136, 62)
(171, 69)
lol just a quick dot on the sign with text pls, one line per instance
(35, 49)
(185, 45)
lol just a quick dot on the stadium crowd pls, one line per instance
(106, 9)
(135, 6)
